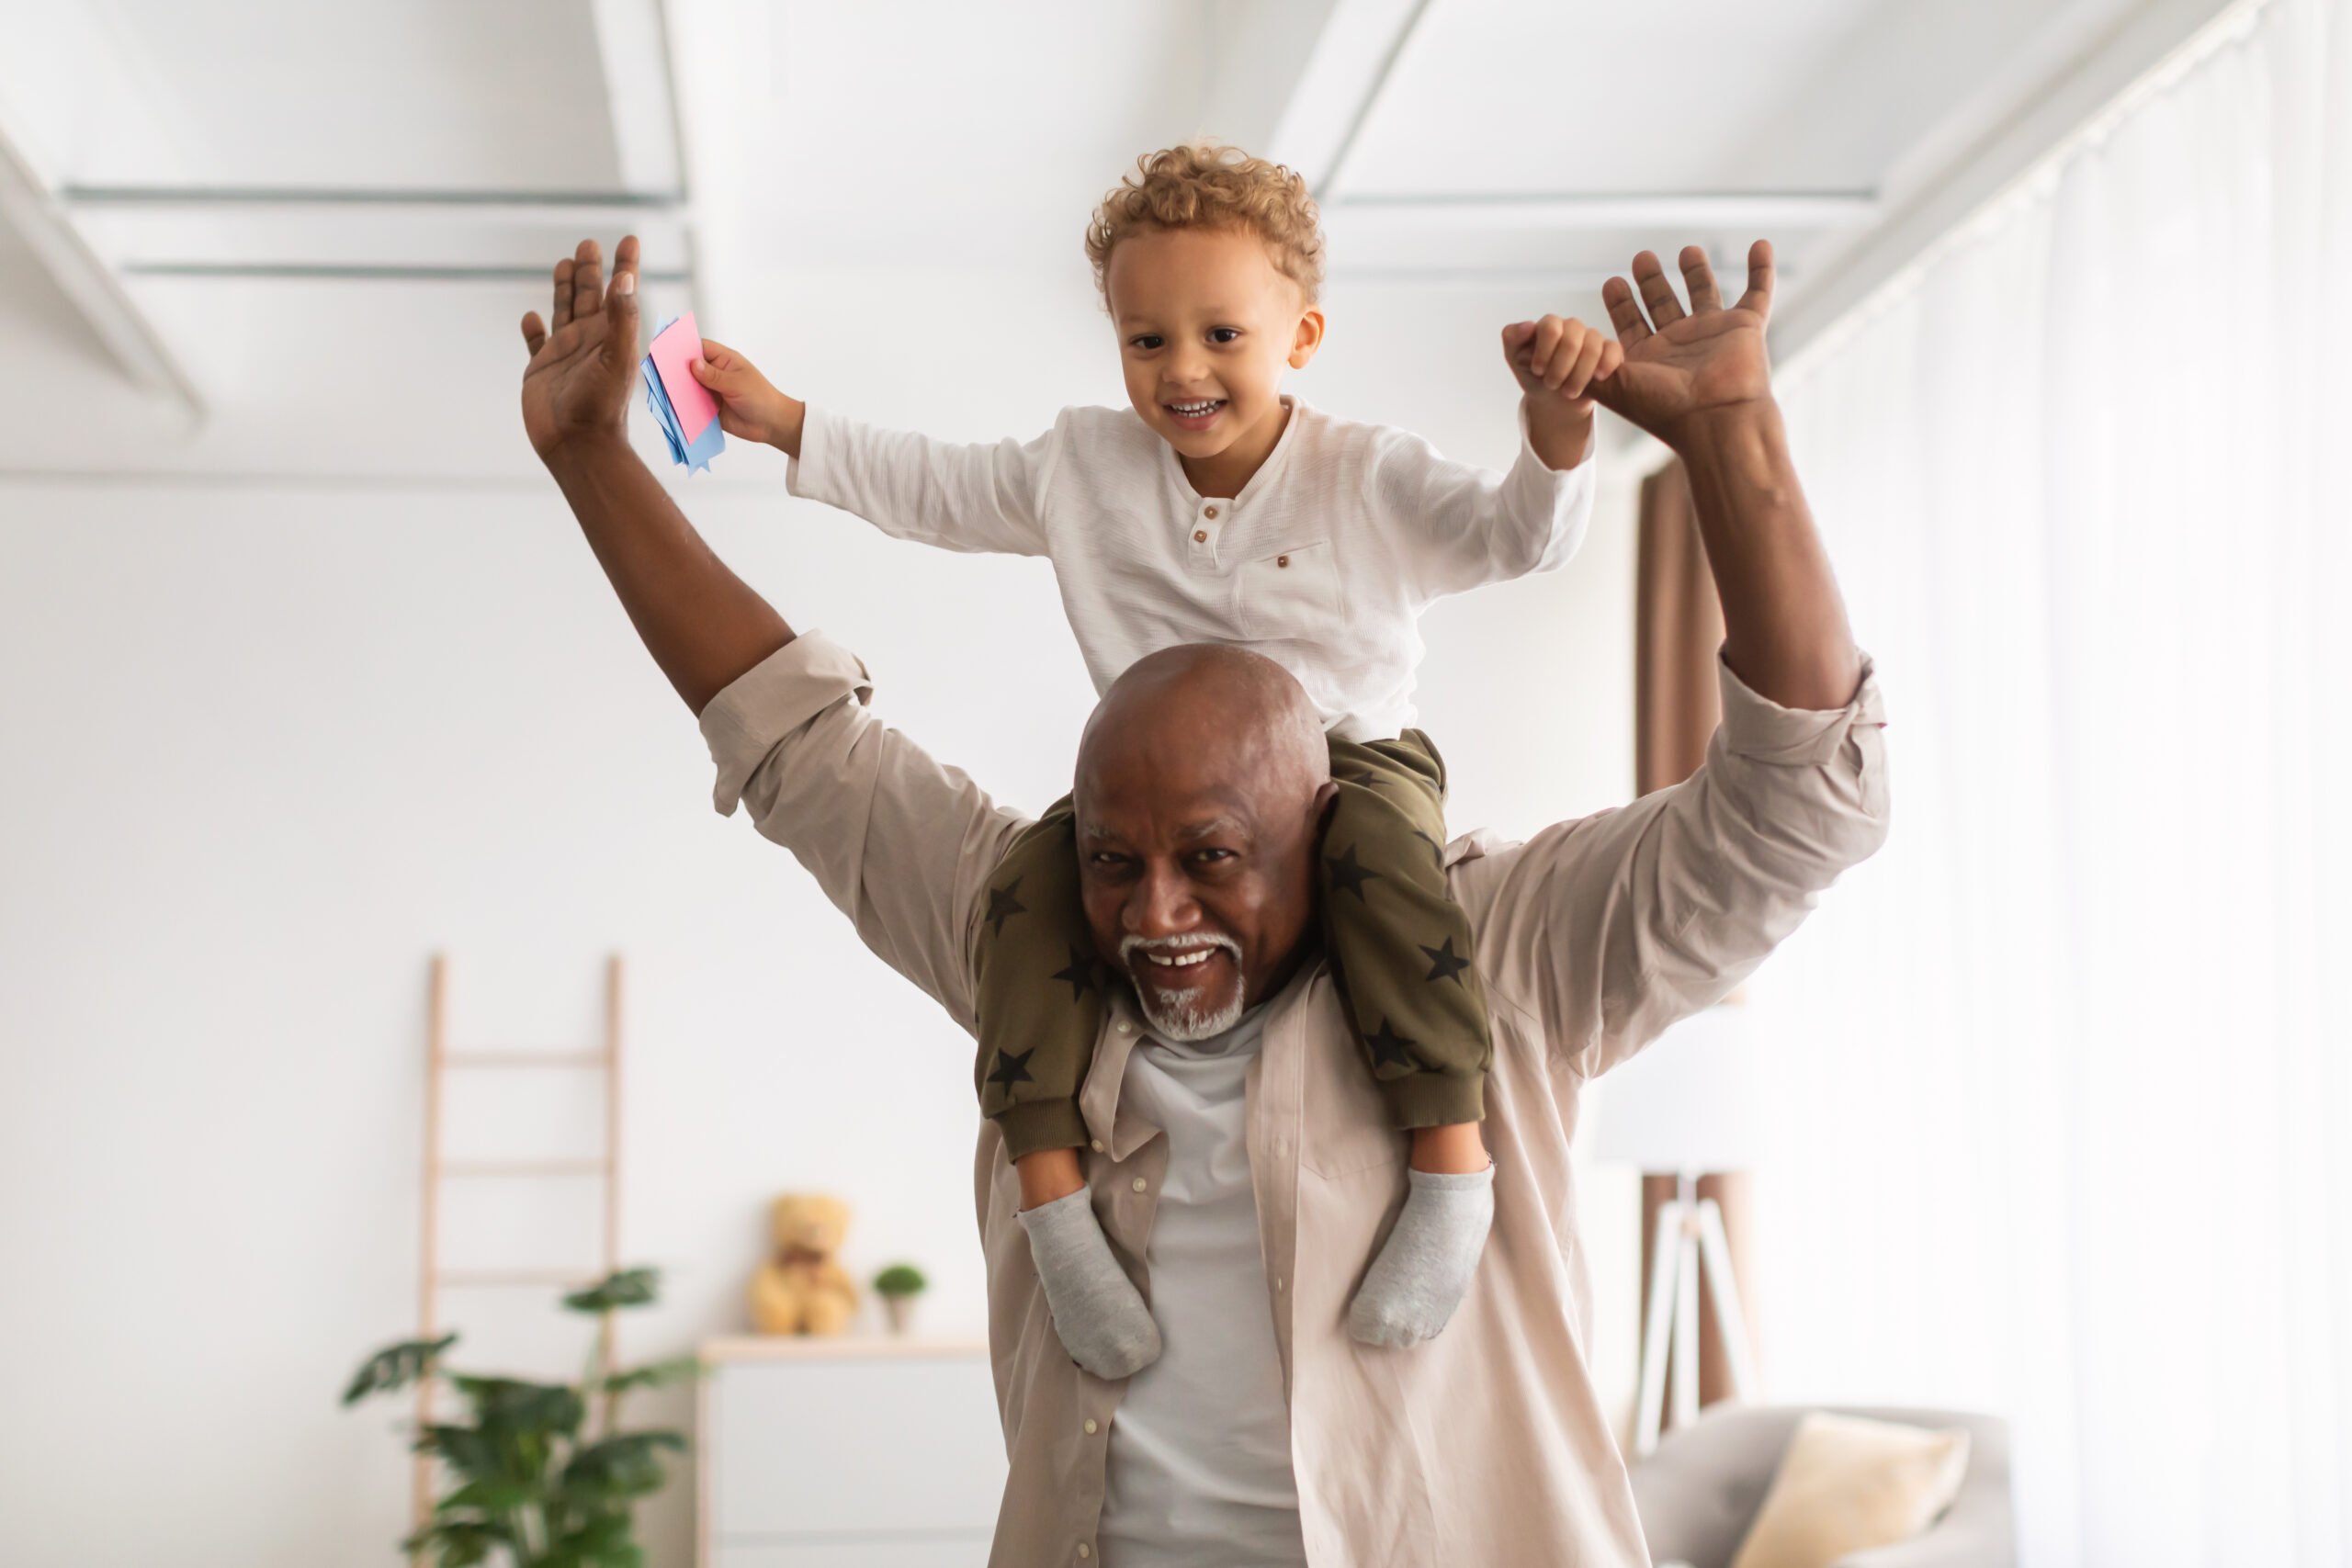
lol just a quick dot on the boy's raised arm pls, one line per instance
(703, 624)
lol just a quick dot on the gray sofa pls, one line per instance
(1701, 1489)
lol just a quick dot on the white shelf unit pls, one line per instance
(830, 1453)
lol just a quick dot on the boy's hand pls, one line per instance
(748, 406)
(1558, 361)
(1559, 358)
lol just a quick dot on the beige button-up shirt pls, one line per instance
(1486, 1445)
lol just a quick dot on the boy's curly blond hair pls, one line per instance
(1202, 185)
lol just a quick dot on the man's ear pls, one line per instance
(1308, 339)
(1327, 800)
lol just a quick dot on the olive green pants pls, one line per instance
(1398, 947)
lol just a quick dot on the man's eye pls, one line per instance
(1225, 334)
(1212, 857)
(1148, 341)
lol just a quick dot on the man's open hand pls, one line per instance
(582, 367)
(1685, 366)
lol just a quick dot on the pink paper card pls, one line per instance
(677, 347)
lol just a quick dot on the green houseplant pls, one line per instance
(899, 1285)
(530, 1484)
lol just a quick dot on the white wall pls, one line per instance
(268, 743)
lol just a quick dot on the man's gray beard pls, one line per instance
(1188, 1019)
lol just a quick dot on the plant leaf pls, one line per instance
(396, 1366)
(658, 1374)
(489, 1496)
(460, 1543)
(623, 1464)
(628, 1288)
(470, 1452)
(513, 1404)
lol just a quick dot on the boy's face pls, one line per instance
(1206, 324)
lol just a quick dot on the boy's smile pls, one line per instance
(1207, 323)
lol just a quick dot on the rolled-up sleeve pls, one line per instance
(1610, 927)
(899, 843)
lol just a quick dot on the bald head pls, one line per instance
(1201, 781)
(1237, 711)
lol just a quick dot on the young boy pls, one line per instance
(1217, 510)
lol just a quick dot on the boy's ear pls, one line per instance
(1308, 339)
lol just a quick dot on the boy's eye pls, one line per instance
(1148, 341)
(1225, 334)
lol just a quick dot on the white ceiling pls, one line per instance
(224, 167)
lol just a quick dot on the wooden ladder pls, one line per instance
(440, 1061)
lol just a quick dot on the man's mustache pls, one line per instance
(1176, 946)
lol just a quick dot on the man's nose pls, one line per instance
(1162, 904)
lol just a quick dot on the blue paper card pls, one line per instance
(695, 455)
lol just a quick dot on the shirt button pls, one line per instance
(1097, 1146)
(1200, 536)
(1209, 513)
(1091, 1427)
(1282, 561)
(1125, 1028)
(1141, 1184)
(1084, 1550)
(1278, 1283)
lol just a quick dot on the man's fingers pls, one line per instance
(535, 333)
(1623, 314)
(624, 261)
(1658, 294)
(561, 311)
(587, 279)
(1699, 279)
(1759, 296)
(620, 313)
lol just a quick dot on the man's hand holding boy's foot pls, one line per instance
(749, 407)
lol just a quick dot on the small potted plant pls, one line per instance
(899, 1285)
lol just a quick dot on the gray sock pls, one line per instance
(1097, 1310)
(1424, 1268)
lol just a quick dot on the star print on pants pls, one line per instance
(1436, 851)
(1081, 973)
(1003, 905)
(1012, 1068)
(1390, 1049)
(1348, 876)
(1443, 965)
(1360, 776)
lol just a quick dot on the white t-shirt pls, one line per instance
(1323, 563)
(1198, 1472)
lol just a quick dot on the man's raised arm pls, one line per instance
(1699, 381)
(703, 624)
(1613, 927)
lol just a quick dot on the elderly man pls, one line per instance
(1240, 1163)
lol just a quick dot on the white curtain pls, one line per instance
(2066, 1118)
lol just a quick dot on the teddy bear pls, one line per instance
(802, 1287)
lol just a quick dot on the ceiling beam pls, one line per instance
(1296, 79)
(640, 96)
(2046, 120)
(590, 209)
(1618, 209)
(29, 206)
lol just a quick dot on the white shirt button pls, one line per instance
(1097, 1146)
(1091, 1427)
(1125, 1028)
(1141, 1184)
(1084, 1550)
